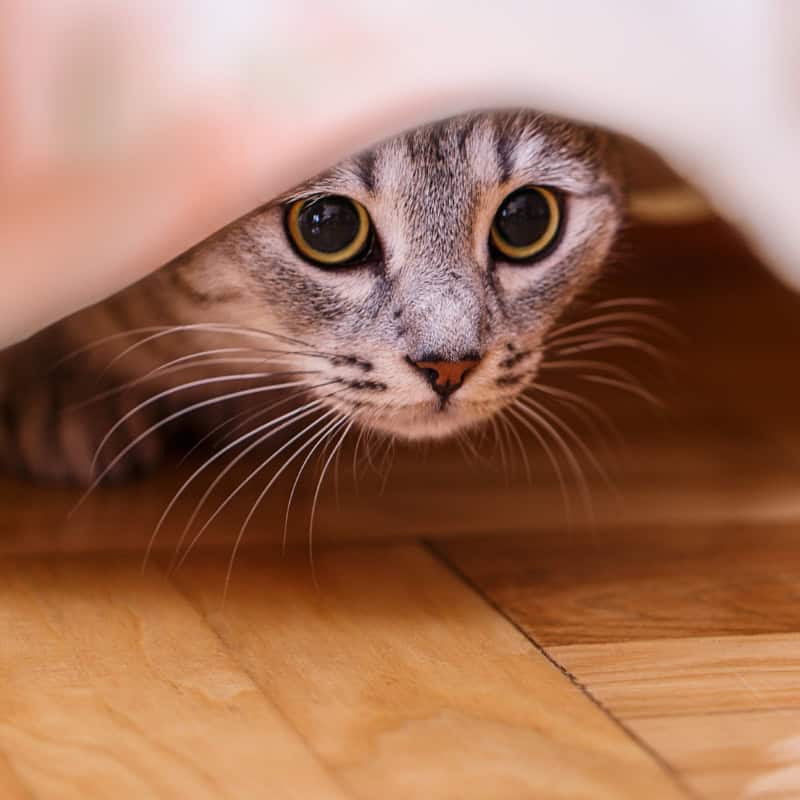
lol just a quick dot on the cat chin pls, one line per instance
(425, 423)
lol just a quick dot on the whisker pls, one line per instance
(200, 404)
(586, 410)
(499, 444)
(246, 415)
(296, 482)
(336, 479)
(573, 436)
(387, 462)
(267, 355)
(623, 316)
(468, 451)
(634, 389)
(97, 343)
(509, 425)
(600, 366)
(159, 373)
(369, 444)
(252, 415)
(360, 436)
(641, 302)
(572, 461)
(128, 350)
(273, 427)
(247, 480)
(195, 406)
(290, 418)
(554, 462)
(608, 342)
(199, 327)
(314, 502)
(611, 337)
(319, 436)
(591, 334)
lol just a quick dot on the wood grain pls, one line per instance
(640, 583)
(669, 677)
(407, 684)
(114, 687)
(746, 756)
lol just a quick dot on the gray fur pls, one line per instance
(430, 292)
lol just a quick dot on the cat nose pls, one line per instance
(445, 376)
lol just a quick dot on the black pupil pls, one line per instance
(523, 218)
(329, 224)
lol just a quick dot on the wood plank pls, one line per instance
(114, 687)
(408, 685)
(11, 787)
(753, 756)
(640, 584)
(668, 677)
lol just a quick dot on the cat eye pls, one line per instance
(329, 231)
(526, 224)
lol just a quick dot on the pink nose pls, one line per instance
(446, 376)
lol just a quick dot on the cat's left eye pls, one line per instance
(526, 224)
(329, 231)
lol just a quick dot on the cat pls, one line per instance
(408, 290)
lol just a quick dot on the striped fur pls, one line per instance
(430, 288)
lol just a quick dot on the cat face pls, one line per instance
(422, 276)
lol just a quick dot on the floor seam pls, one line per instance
(668, 769)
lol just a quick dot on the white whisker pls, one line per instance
(247, 480)
(194, 407)
(198, 327)
(273, 426)
(320, 437)
(640, 302)
(588, 412)
(609, 342)
(499, 444)
(554, 462)
(647, 320)
(569, 456)
(360, 436)
(387, 462)
(266, 356)
(509, 424)
(117, 390)
(573, 436)
(246, 376)
(290, 418)
(292, 493)
(634, 388)
(253, 415)
(600, 366)
(314, 502)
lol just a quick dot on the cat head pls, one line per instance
(417, 281)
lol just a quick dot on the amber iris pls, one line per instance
(526, 223)
(329, 231)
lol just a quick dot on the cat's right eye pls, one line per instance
(329, 231)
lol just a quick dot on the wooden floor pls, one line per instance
(460, 634)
